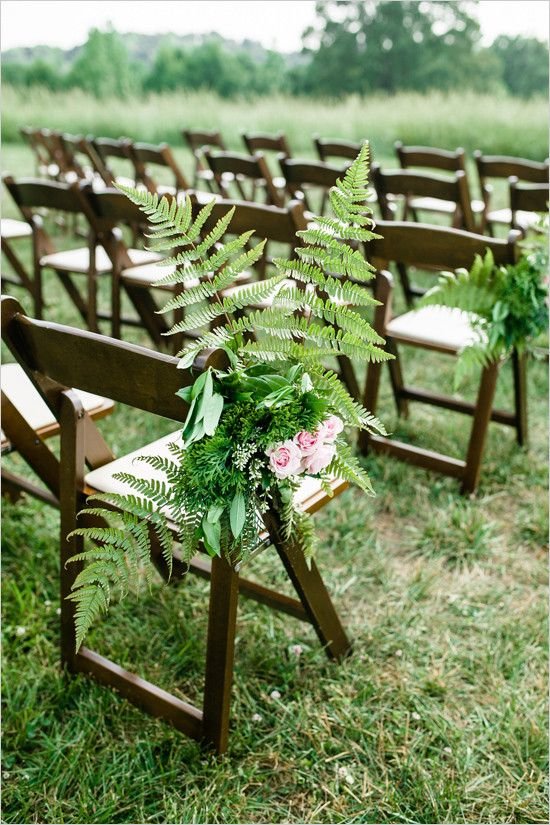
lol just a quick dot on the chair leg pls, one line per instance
(519, 366)
(224, 592)
(481, 419)
(313, 594)
(396, 378)
(71, 481)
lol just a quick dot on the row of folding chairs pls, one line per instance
(133, 272)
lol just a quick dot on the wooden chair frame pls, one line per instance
(504, 167)
(145, 155)
(198, 141)
(527, 197)
(21, 277)
(438, 248)
(148, 381)
(328, 148)
(301, 175)
(233, 168)
(107, 148)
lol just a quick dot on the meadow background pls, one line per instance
(441, 713)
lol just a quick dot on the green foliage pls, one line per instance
(508, 306)
(276, 386)
(524, 64)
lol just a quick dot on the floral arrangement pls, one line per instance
(508, 305)
(273, 414)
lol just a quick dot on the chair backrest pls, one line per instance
(263, 142)
(58, 358)
(434, 247)
(252, 168)
(33, 194)
(75, 156)
(426, 157)
(335, 148)
(145, 155)
(527, 197)
(41, 150)
(504, 166)
(197, 138)
(302, 175)
(420, 184)
(108, 148)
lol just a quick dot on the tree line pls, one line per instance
(355, 47)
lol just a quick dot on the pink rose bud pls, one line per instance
(285, 459)
(330, 428)
(319, 460)
(307, 442)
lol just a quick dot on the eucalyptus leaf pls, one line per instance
(211, 531)
(237, 514)
(212, 413)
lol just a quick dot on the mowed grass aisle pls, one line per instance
(439, 715)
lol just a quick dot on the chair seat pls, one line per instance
(438, 205)
(308, 494)
(11, 229)
(435, 327)
(524, 219)
(78, 260)
(22, 394)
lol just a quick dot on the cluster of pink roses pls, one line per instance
(306, 452)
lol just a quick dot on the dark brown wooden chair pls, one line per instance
(301, 176)
(119, 149)
(441, 160)
(262, 142)
(90, 262)
(493, 168)
(41, 154)
(145, 155)
(248, 175)
(26, 423)
(438, 329)
(527, 198)
(330, 148)
(58, 358)
(409, 185)
(198, 140)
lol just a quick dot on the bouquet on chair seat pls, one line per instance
(273, 415)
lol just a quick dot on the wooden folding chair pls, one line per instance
(330, 148)
(12, 231)
(26, 423)
(301, 176)
(410, 185)
(426, 157)
(527, 198)
(233, 170)
(56, 358)
(119, 149)
(438, 329)
(198, 140)
(31, 196)
(263, 142)
(47, 164)
(145, 155)
(501, 168)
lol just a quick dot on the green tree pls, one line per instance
(369, 45)
(103, 67)
(524, 62)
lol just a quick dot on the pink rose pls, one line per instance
(319, 460)
(330, 428)
(307, 442)
(285, 459)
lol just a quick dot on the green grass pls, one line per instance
(500, 125)
(439, 715)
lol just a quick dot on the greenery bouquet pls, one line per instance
(272, 415)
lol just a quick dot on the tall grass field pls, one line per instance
(440, 715)
(496, 125)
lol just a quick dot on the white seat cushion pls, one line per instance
(103, 481)
(524, 219)
(437, 326)
(22, 394)
(78, 260)
(437, 205)
(11, 228)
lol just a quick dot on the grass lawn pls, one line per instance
(439, 715)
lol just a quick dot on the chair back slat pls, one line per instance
(435, 247)
(503, 166)
(336, 148)
(528, 197)
(35, 193)
(263, 142)
(67, 357)
(144, 155)
(430, 158)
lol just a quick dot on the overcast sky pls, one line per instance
(277, 24)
